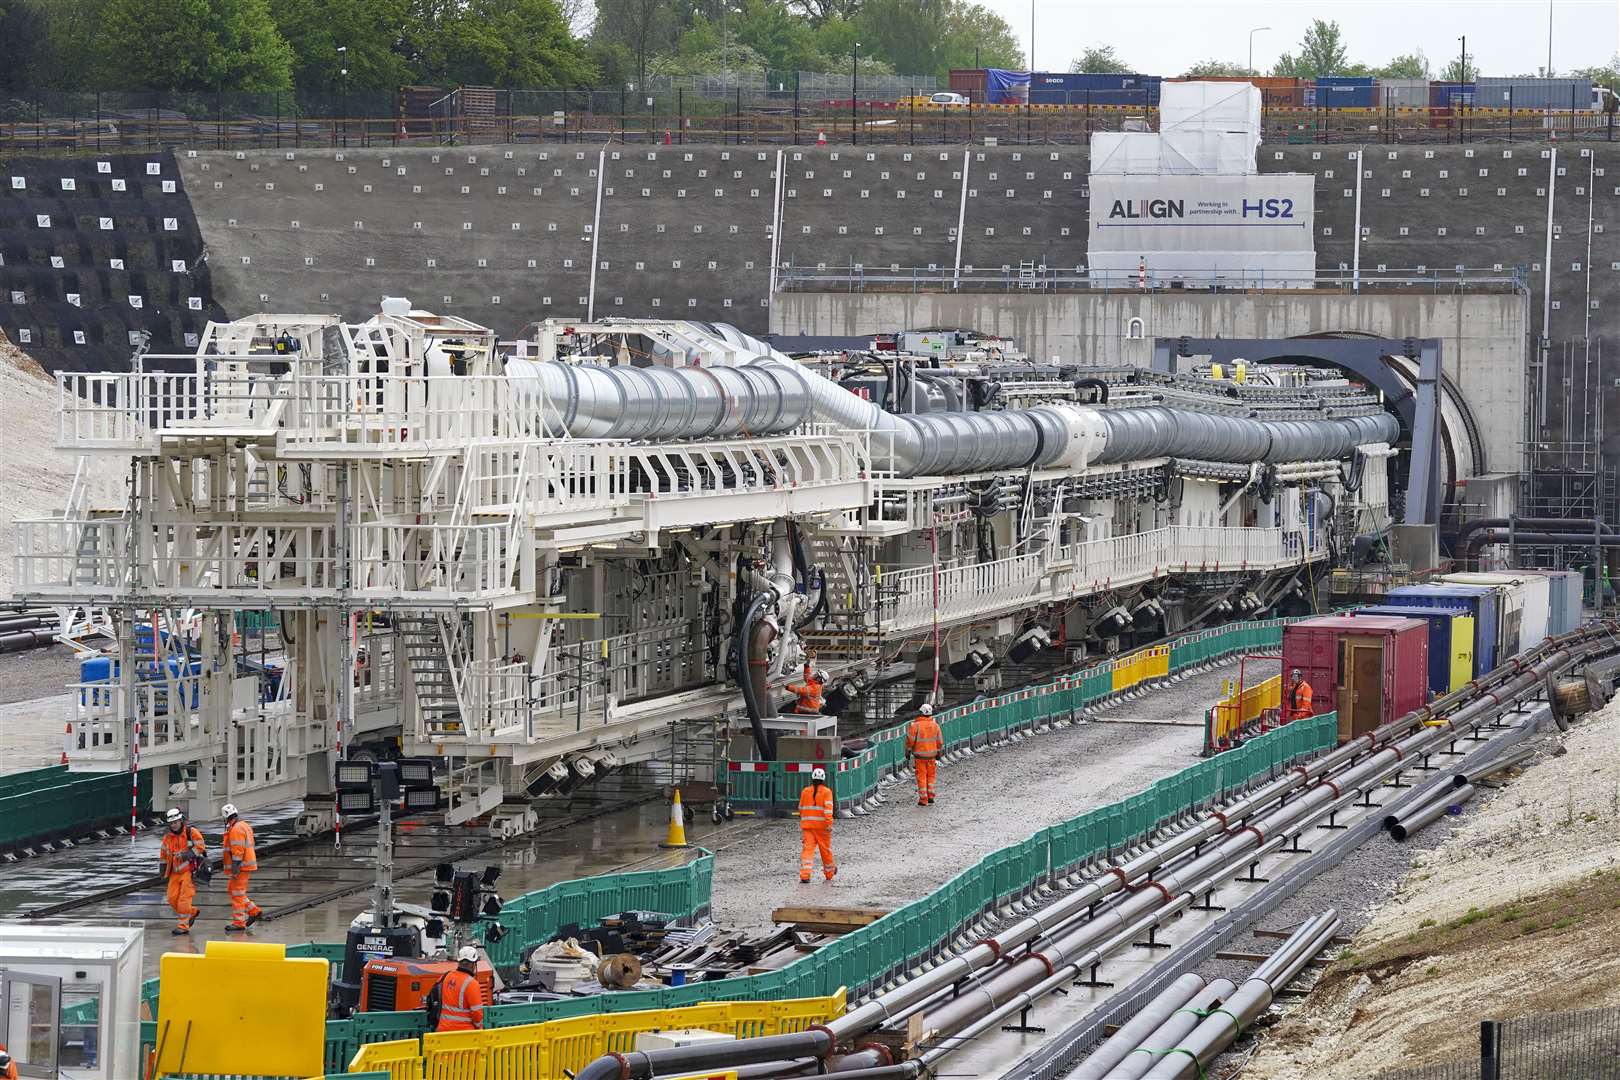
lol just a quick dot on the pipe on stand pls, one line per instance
(1211, 1038)
(1494, 766)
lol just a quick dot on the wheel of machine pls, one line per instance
(715, 813)
(691, 814)
(729, 812)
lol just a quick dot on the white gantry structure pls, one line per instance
(539, 559)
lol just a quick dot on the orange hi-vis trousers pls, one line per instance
(927, 770)
(811, 841)
(241, 905)
(182, 890)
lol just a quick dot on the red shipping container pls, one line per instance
(1371, 669)
(971, 83)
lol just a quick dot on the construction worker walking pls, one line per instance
(810, 692)
(924, 743)
(183, 852)
(1299, 696)
(815, 826)
(461, 996)
(8, 1067)
(241, 860)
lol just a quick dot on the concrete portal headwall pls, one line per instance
(1483, 334)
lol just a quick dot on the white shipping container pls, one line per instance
(1524, 605)
(1211, 106)
(1403, 93)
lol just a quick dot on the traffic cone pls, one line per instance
(666, 136)
(677, 824)
(821, 137)
(67, 741)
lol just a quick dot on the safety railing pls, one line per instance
(120, 410)
(913, 597)
(71, 555)
(563, 1047)
(1240, 708)
(429, 561)
(497, 699)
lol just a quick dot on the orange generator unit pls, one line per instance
(400, 985)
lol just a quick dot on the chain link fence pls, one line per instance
(1582, 1044)
(793, 108)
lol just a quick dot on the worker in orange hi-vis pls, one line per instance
(1299, 696)
(815, 826)
(461, 997)
(182, 852)
(924, 743)
(241, 860)
(8, 1067)
(809, 691)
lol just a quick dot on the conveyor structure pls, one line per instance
(538, 560)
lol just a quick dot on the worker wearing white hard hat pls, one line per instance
(461, 995)
(241, 860)
(182, 852)
(924, 743)
(815, 826)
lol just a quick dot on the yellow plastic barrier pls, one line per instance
(1140, 666)
(401, 1059)
(273, 1020)
(1234, 710)
(557, 1046)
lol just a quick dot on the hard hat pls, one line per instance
(173, 816)
(467, 954)
(5, 1059)
(228, 810)
(821, 675)
(925, 709)
(818, 773)
(1297, 673)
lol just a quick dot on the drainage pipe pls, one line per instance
(1165, 1037)
(1211, 1038)
(754, 636)
(1431, 812)
(1469, 528)
(644, 1065)
(1105, 1059)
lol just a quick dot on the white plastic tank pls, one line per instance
(396, 305)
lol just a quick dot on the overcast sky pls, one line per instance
(1164, 37)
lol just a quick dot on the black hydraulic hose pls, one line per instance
(745, 673)
(644, 1065)
(1094, 384)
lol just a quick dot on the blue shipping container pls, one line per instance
(1439, 620)
(1478, 600)
(1346, 95)
(1444, 95)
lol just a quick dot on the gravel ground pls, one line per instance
(36, 673)
(33, 706)
(901, 851)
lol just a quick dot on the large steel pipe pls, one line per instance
(1207, 1041)
(1131, 1034)
(1165, 1037)
(1430, 812)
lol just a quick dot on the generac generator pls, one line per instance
(399, 985)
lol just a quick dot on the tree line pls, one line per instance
(332, 46)
(1322, 51)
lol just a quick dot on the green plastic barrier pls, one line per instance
(60, 803)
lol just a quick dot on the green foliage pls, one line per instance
(1321, 52)
(1206, 69)
(1459, 71)
(644, 29)
(1412, 65)
(28, 42)
(1100, 60)
(368, 30)
(1603, 74)
(191, 45)
(929, 37)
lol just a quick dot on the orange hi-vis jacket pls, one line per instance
(1299, 700)
(809, 691)
(178, 849)
(816, 808)
(461, 1002)
(240, 855)
(924, 740)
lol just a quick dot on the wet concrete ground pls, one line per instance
(986, 801)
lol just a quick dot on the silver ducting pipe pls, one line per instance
(1160, 431)
(1494, 766)
(594, 401)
